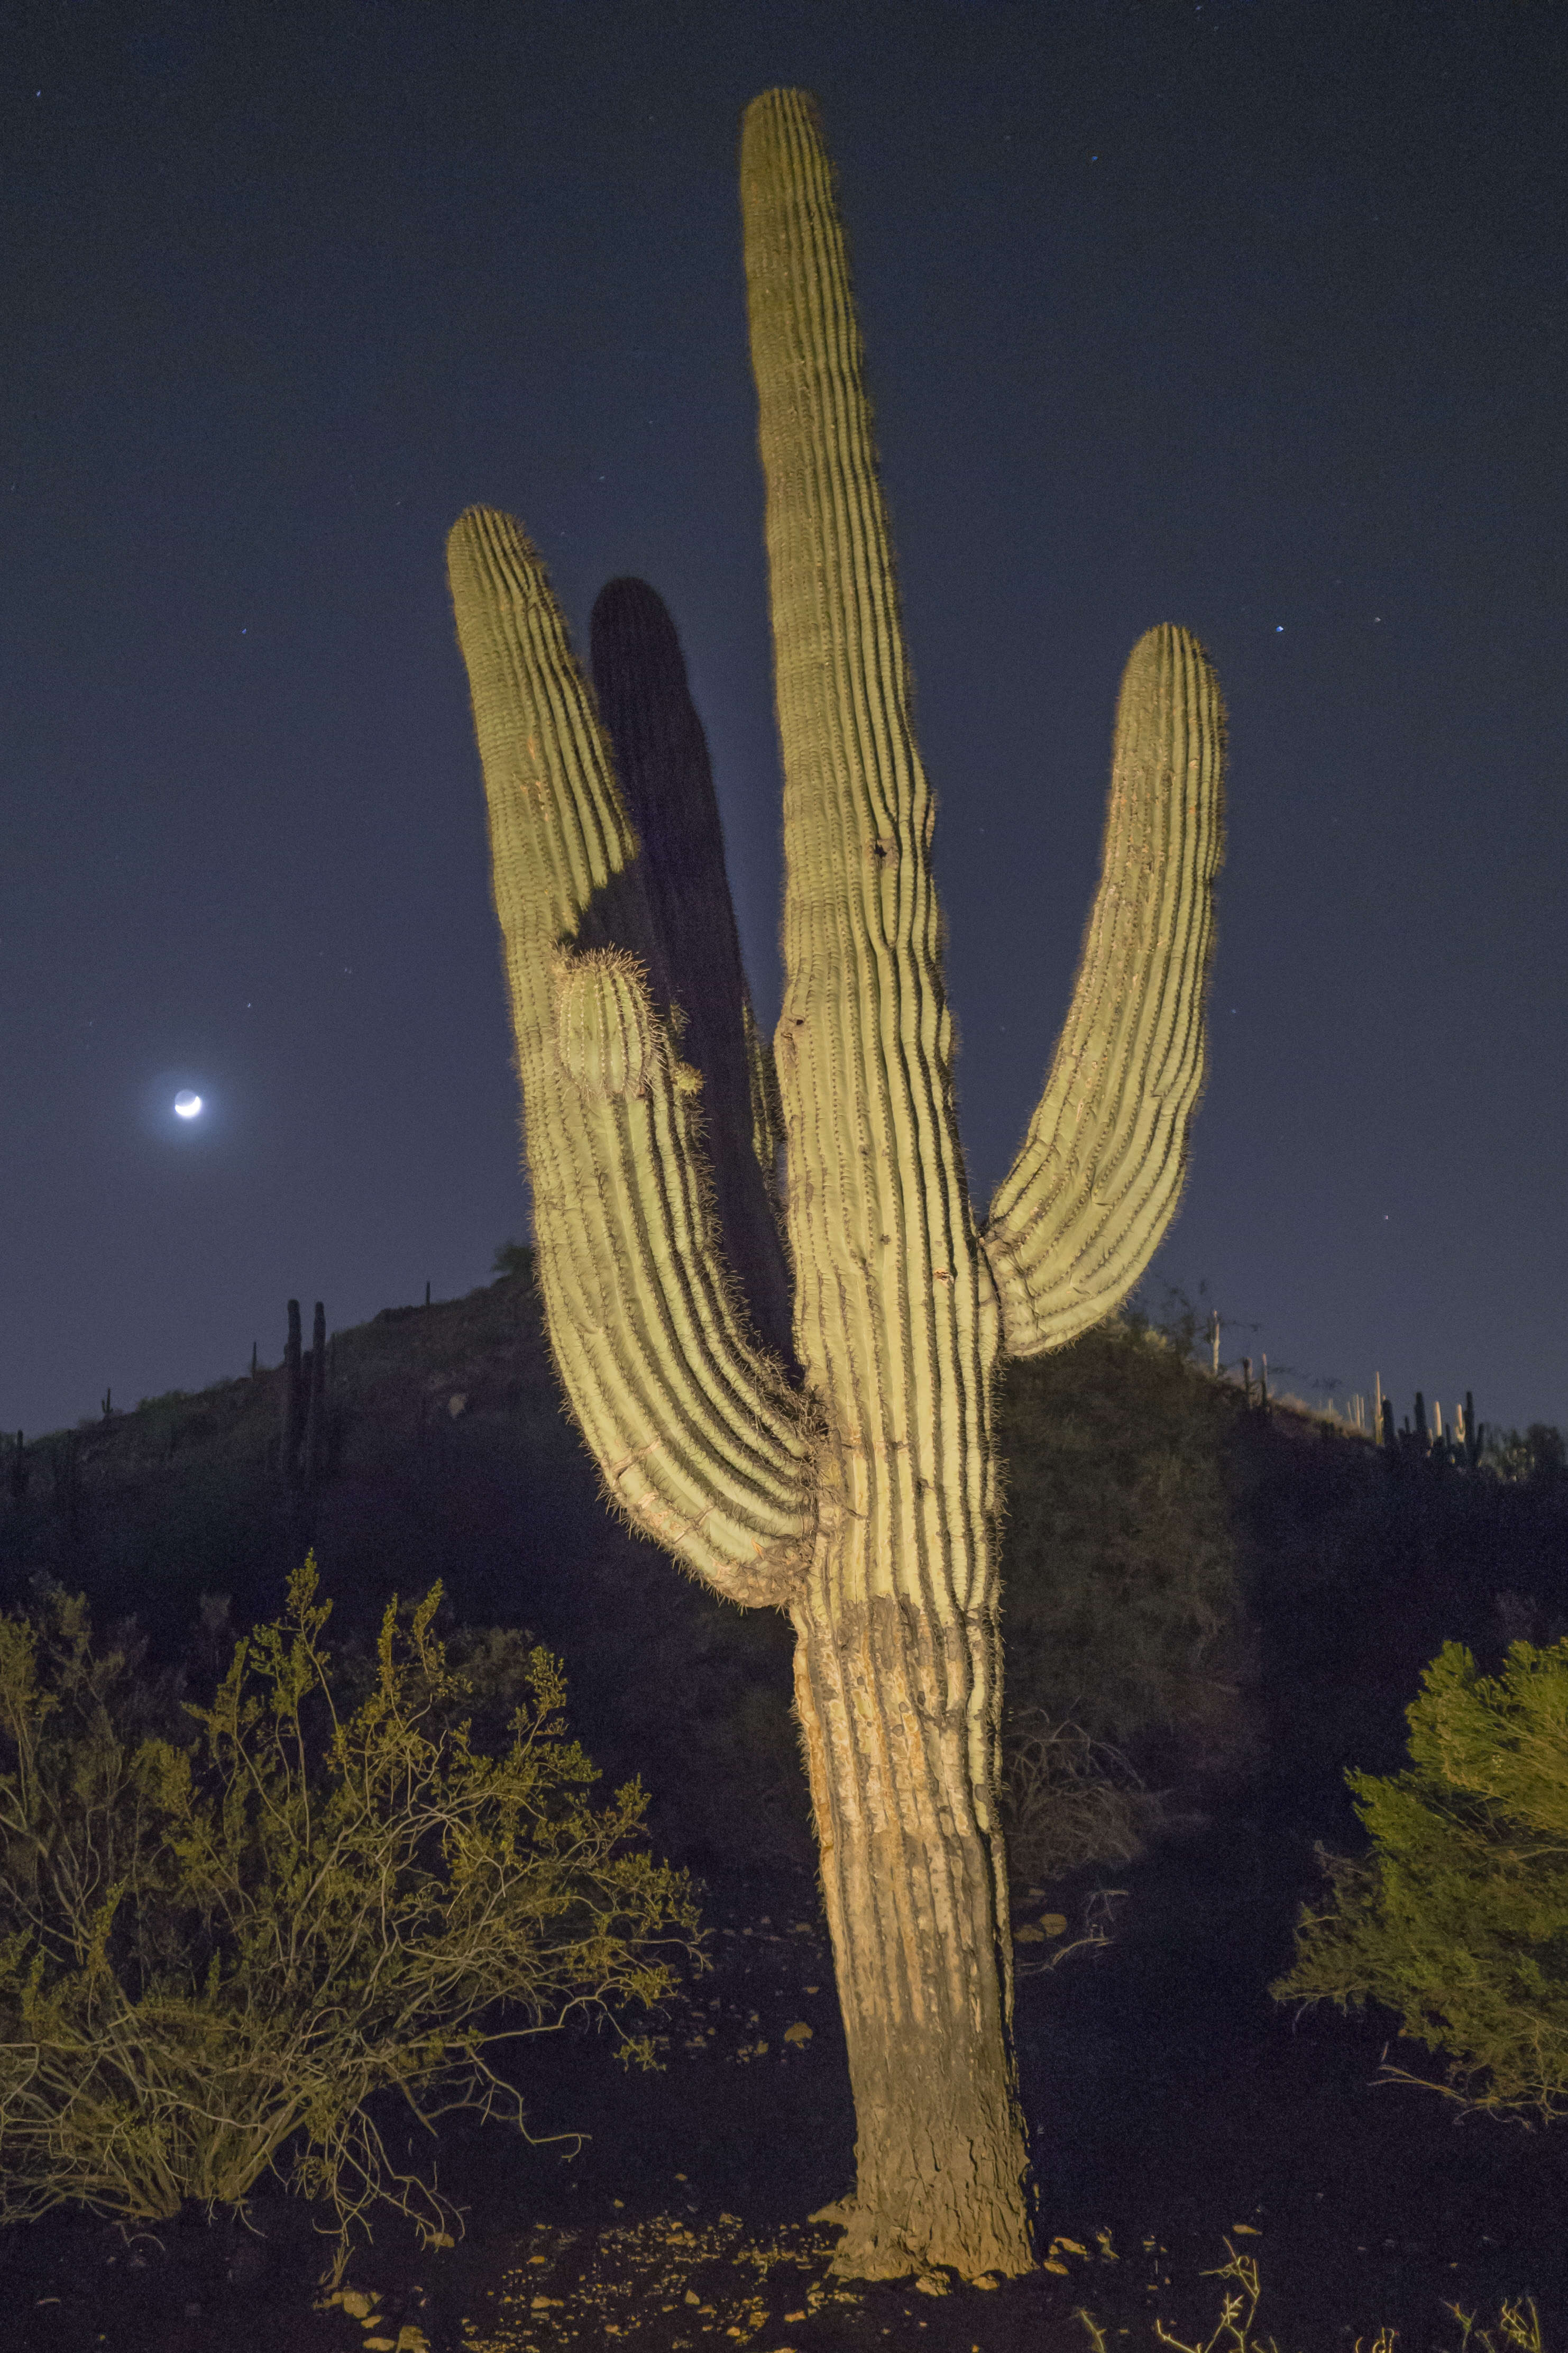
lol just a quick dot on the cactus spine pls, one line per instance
(864, 1500)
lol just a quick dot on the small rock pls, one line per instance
(799, 2033)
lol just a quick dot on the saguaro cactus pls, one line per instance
(316, 1399)
(290, 1401)
(857, 1491)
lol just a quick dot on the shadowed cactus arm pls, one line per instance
(666, 781)
(1084, 1207)
(693, 1426)
(767, 1112)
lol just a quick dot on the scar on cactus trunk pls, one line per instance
(856, 1487)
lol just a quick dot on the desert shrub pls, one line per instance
(1457, 1921)
(1519, 2324)
(216, 1951)
(1069, 1800)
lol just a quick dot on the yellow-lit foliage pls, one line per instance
(213, 1956)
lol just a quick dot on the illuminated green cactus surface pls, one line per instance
(855, 1487)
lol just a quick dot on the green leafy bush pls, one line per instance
(214, 1952)
(1459, 1919)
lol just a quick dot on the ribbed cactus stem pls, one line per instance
(897, 1678)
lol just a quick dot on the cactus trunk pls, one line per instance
(893, 1710)
(898, 1688)
(863, 1499)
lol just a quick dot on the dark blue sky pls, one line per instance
(1248, 317)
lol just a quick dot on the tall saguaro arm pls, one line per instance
(889, 1313)
(1085, 1205)
(696, 1432)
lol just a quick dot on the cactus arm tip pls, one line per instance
(1100, 1173)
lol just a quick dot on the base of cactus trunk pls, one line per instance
(915, 1894)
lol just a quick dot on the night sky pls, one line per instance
(1250, 317)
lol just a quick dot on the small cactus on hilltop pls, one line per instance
(316, 1407)
(290, 1416)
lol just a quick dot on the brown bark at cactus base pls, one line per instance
(915, 1890)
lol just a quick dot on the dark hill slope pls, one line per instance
(1225, 1596)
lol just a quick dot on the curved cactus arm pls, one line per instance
(693, 1426)
(1084, 1207)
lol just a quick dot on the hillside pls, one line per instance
(1218, 1592)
